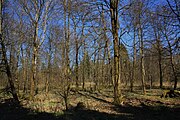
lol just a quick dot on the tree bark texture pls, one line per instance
(114, 24)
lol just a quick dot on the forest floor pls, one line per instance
(97, 106)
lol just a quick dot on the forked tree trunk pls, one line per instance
(114, 24)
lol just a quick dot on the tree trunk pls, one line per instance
(84, 50)
(8, 71)
(7, 67)
(142, 59)
(95, 73)
(34, 61)
(114, 24)
(77, 55)
(26, 73)
(134, 62)
(172, 63)
(49, 65)
(159, 50)
(160, 64)
(107, 75)
(68, 41)
(66, 37)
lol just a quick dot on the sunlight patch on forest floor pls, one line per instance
(53, 103)
(100, 104)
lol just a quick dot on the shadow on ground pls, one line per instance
(11, 111)
(145, 112)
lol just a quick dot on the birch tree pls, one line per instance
(37, 12)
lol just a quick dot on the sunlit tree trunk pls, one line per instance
(66, 36)
(142, 69)
(37, 12)
(34, 60)
(114, 23)
(134, 62)
(66, 61)
(68, 39)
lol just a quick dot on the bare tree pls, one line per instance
(175, 7)
(114, 22)
(106, 48)
(38, 19)
(156, 25)
(4, 57)
(75, 22)
(141, 44)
